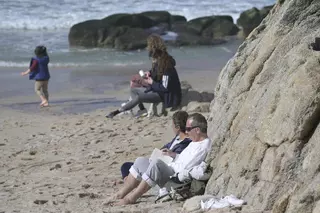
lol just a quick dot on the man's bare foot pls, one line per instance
(111, 200)
(124, 201)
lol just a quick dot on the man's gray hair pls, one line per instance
(200, 121)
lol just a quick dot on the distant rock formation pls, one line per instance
(251, 18)
(130, 31)
(264, 119)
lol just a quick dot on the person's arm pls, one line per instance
(167, 146)
(189, 161)
(168, 152)
(161, 86)
(196, 161)
(32, 67)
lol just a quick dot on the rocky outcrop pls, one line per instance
(264, 119)
(251, 18)
(129, 31)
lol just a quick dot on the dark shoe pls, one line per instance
(112, 114)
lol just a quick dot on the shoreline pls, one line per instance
(85, 89)
(86, 100)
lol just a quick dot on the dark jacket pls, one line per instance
(178, 148)
(169, 87)
(41, 73)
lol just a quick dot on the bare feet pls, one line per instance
(111, 200)
(124, 201)
(44, 104)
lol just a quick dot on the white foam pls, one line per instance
(13, 64)
(52, 15)
(69, 64)
(169, 36)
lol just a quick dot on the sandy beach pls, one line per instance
(66, 158)
(71, 163)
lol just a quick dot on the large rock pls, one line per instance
(178, 18)
(134, 21)
(85, 34)
(103, 33)
(251, 18)
(110, 36)
(220, 27)
(264, 120)
(113, 19)
(159, 17)
(199, 24)
(196, 106)
(191, 95)
(115, 30)
(132, 39)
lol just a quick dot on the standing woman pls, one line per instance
(39, 72)
(163, 80)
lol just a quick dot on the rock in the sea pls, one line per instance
(178, 18)
(85, 34)
(93, 33)
(159, 17)
(129, 31)
(251, 18)
(265, 115)
(220, 27)
(132, 39)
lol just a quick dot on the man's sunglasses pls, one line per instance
(188, 129)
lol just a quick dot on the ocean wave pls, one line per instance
(53, 15)
(71, 64)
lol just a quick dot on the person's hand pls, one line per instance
(149, 80)
(23, 73)
(147, 74)
(168, 152)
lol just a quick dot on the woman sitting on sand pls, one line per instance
(176, 146)
(163, 84)
(39, 72)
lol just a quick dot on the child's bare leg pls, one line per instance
(38, 90)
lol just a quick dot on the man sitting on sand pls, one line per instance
(176, 146)
(145, 174)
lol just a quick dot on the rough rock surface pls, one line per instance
(264, 119)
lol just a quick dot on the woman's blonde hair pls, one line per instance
(158, 50)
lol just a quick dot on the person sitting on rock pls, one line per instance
(176, 146)
(163, 80)
(145, 174)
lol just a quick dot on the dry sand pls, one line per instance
(71, 163)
